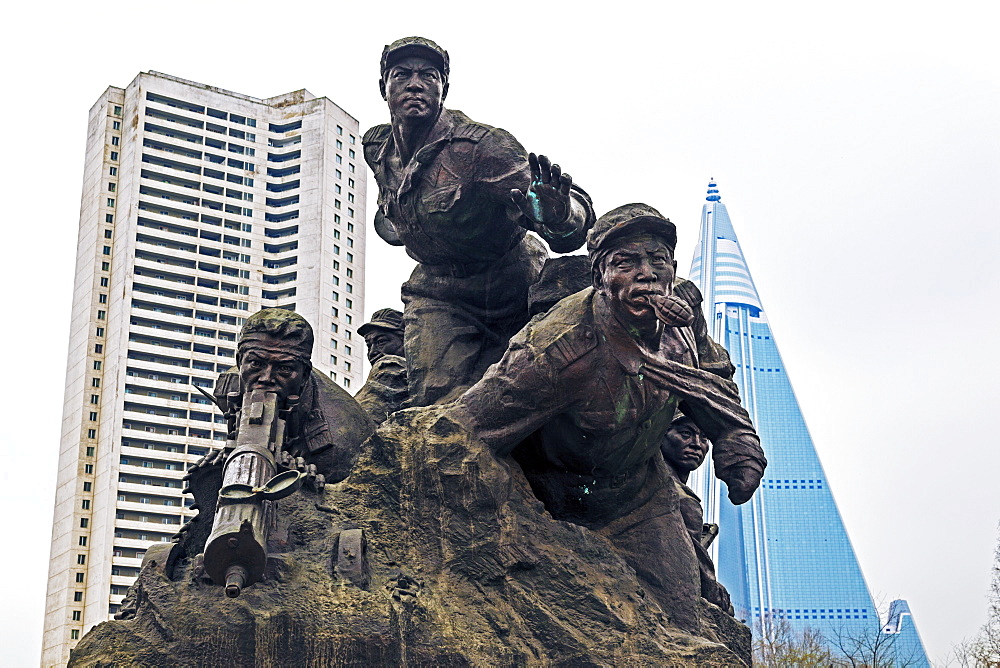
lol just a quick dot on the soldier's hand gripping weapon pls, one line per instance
(236, 551)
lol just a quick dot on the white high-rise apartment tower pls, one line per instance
(200, 206)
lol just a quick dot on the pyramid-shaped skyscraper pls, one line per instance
(785, 554)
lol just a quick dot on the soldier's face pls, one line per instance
(639, 267)
(414, 89)
(382, 343)
(271, 370)
(684, 446)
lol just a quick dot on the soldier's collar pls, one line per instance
(623, 347)
(621, 344)
(443, 131)
(440, 134)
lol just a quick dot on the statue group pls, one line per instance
(509, 486)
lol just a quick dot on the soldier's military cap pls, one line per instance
(681, 417)
(626, 220)
(263, 327)
(387, 319)
(415, 46)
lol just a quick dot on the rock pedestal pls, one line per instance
(432, 553)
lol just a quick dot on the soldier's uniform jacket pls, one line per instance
(384, 391)
(578, 379)
(693, 514)
(449, 205)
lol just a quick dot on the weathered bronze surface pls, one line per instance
(684, 449)
(585, 394)
(540, 517)
(385, 389)
(236, 551)
(434, 552)
(445, 193)
(281, 418)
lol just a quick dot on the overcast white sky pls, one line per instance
(855, 144)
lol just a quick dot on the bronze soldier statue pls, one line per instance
(460, 196)
(585, 394)
(684, 449)
(325, 426)
(384, 391)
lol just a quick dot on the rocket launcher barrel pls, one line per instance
(236, 550)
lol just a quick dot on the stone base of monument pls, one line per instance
(433, 553)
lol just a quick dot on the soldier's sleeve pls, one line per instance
(385, 390)
(714, 405)
(372, 143)
(502, 165)
(516, 396)
(373, 139)
(736, 453)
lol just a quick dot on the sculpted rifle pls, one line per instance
(236, 551)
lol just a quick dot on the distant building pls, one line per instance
(785, 554)
(200, 206)
(907, 648)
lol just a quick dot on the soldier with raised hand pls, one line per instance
(584, 395)
(460, 196)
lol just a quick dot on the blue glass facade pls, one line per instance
(785, 554)
(906, 647)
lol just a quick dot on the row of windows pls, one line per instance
(140, 517)
(194, 154)
(190, 296)
(755, 368)
(161, 376)
(164, 210)
(147, 500)
(792, 486)
(238, 164)
(181, 279)
(166, 483)
(823, 610)
(184, 231)
(148, 519)
(195, 451)
(167, 360)
(187, 313)
(199, 109)
(827, 616)
(131, 534)
(192, 185)
(210, 251)
(172, 412)
(336, 251)
(218, 114)
(175, 261)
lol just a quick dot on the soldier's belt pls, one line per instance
(467, 269)
(586, 482)
(459, 269)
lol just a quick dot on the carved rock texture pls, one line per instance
(463, 568)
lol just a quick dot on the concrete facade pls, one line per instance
(200, 206)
